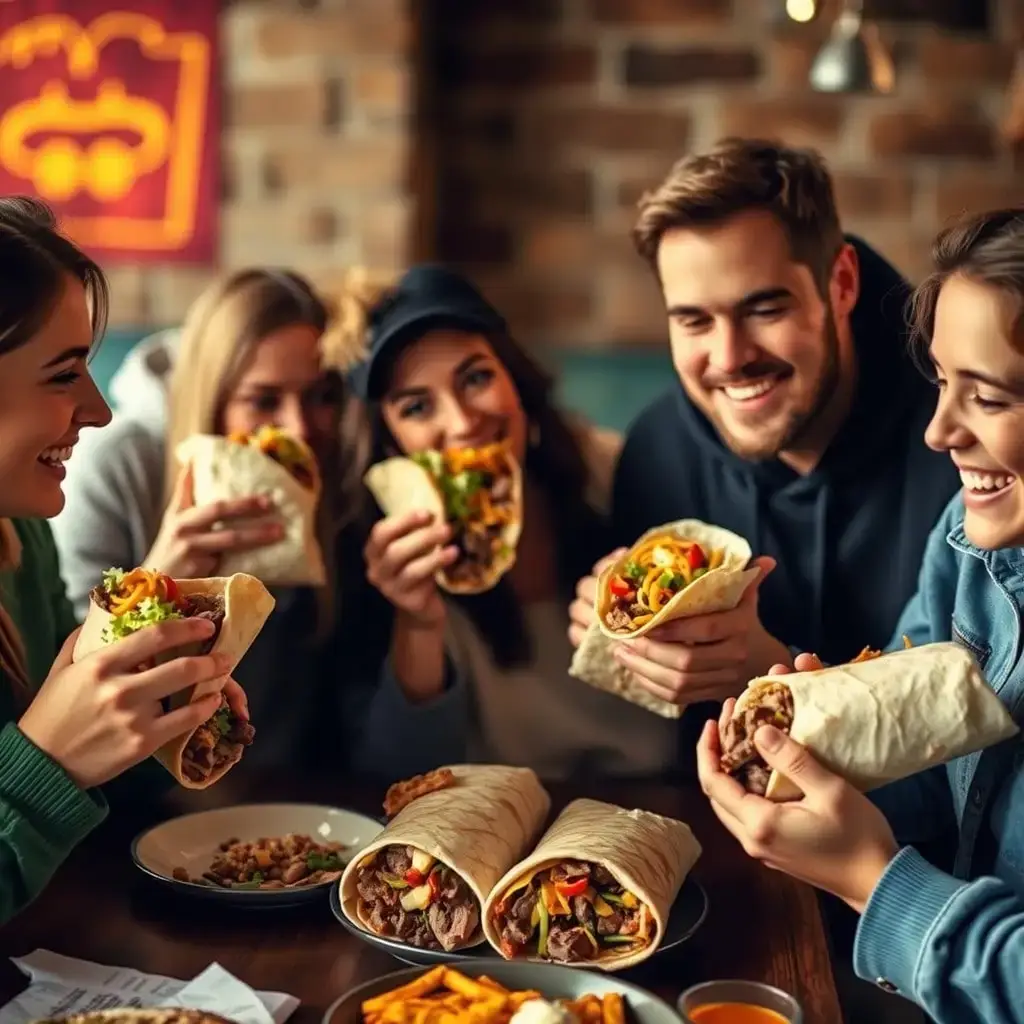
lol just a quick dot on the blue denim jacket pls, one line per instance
(956, 947)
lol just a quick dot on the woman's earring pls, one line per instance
(533, 437)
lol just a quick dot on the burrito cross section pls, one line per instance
(141, 598)
(774, 706)
(570, 912)
(406, 893)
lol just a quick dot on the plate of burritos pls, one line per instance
(267, 462)
(478, 491)
(463, 871)
(254, 856)
(673, 571)
(874, 720)
(124, 602)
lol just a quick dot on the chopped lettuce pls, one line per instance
(112, 579)
(148, 612)
(457, 489)
(220, 723)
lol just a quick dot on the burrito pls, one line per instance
(282, 467)
(131, 1015)
(479, 491)
(424, 879)
(597, 890)
(872, 721)
(673, 571)
(238, 606)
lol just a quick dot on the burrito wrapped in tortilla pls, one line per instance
(238, 606)
(673, 571)
(872, 721)
(479, 491)
(596, 891)
(276, 464)
(424, 879)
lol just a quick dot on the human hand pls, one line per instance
(192, 540)
(237, 700)
(101, 715)
(403, 555)
(833, 837)
(581, 611)
(705, 657)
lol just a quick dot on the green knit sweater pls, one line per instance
(43, 814)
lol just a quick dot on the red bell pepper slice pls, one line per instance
(435, 884)
(171, 592)
(574, 888)
(414, 877)
(619, 587)
(696, 557)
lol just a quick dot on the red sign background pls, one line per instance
(110, 113)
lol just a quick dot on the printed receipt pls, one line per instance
(61, 985)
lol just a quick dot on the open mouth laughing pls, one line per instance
(982, 487)
(54, 458)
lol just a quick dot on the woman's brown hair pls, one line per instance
(987, 248)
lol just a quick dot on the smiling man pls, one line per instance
(798, 422)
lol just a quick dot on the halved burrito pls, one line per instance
(280, 466)
(479, 491)
(424, 879)
(872, 721)
(673, 571)
(238, 606)
(597, 890)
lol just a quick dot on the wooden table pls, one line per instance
(761, 925)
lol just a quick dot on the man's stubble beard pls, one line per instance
(798, 424)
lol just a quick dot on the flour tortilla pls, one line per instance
(478, 828)
(718, 590)
(224, 470)
(647, 854)
(880, 720)
(247, 604)
(129, 1015)
(400, 485)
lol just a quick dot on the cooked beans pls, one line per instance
(281, 862)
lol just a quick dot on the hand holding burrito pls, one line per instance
(424, 879)
(596, 891)
(278, 473)
(126, 603)
(873, 720)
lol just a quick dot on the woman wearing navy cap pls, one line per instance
(484, 677)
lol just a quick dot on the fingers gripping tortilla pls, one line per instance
(237, 605)
(672, 572)
(280, 466)
(596, 891)
(479, 491)
(872, 721)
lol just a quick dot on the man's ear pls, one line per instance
(844, 283)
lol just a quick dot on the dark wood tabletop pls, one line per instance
(761, 925)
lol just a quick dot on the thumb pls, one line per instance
(184, 497)
(65, 655)
(766, 564)
(793, 760)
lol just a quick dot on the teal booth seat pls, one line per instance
(609, 388)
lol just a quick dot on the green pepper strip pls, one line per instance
(542, 927)
(610, 897)
(618, 940)
(395, 883)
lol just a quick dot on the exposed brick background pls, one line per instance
(555, 121)
(543, 121)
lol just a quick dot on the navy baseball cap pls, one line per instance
(427, 297)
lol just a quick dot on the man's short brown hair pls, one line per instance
(748, 174)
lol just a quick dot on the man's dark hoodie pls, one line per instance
(848, 537)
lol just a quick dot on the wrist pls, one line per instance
(872, 868)
(766, 651)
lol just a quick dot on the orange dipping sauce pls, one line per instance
(734, 1013)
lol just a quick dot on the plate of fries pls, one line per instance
(496, 993)
(687, 915)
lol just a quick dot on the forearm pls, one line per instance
(418, 659)
(766, 651)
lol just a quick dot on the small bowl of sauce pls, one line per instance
(738, 1002)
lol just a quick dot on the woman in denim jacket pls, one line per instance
(953, 943)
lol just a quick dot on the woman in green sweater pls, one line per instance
(65, 729)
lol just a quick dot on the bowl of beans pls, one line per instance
(254, 854)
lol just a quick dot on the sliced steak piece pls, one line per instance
(569, 944)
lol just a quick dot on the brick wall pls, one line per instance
(318, 152)
(552, 120)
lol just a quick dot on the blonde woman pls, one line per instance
(251, 352)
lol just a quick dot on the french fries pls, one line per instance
(445, 996)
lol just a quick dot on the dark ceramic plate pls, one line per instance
(553, 982)
(191, 841)
(687, 915)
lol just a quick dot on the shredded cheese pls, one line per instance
(136, 586)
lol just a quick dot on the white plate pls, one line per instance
(190, 842)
